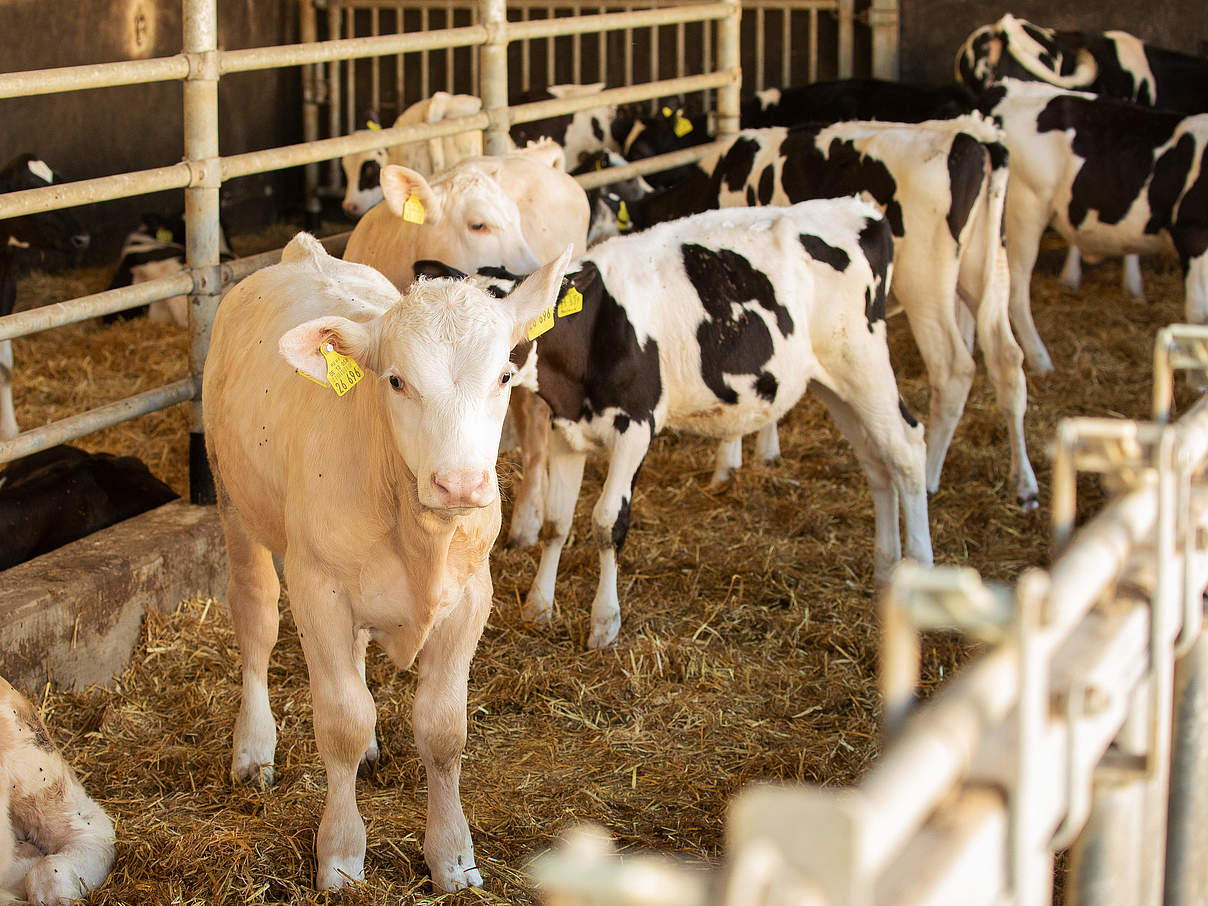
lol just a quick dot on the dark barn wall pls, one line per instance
(932, 30)
(113, 130)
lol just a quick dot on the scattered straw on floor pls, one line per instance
(747, 653)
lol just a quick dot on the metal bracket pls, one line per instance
(1178, 347)
(203, 67)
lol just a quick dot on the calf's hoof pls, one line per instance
(370, 759)
(341, 872)
(1028, 502)
(258, 774)
(604, 634)
(52, 881)
(457, 874)
(536, 609)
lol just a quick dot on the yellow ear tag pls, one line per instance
(571, 302)
(413, 209)
(544, 322)
(163, 234)
(375, 127)
(682, 126)
(667, 112)
(342, 372)
(623, 220)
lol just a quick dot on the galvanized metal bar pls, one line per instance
(493, 64)
(1186, 880)
(883, 20)
(729, 61)
(308, 30)
(524, 113)
(450, 73)
(97, 75)
(202, 228)
(398, 63)
(628, 44)
(87, 191)
(234, 271)
(786, 44)
(844, 51)
(74, 426)
(72, 311)
(375, 71)
(550, 77)
(526, 51)
(681, 49)
(655, 61)
(628, 20)
(335, 95)
(602, 52)
(654, 164)
(425, 66)
(760, 50)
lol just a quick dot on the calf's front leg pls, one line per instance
(565, 478)
(439, 719)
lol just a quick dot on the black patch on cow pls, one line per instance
(620, 424)
(435, 270)
(729, 344)
(750, 196)
(735, 167)
(554, 127)
(1117, 142)
(1169, 179)
(998, 154)
(989, 99)
(766, 386)
(593, 361)
(370, 176)
(906, 415)
(858, 99)
(1051, 53)
(596, 129)
(1190, 229)
(620, 526)
(966, 172)
(877, 245)
(767, 184)
(820, 250)
(842, 170)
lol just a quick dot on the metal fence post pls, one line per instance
(494, 73)
(201, 215)
(309, 33)
(729, 59)
(883, 19)
(1187, 830)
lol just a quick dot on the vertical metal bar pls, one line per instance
(308, 31)
(602, 50)
(526, 78)
(681, 50)
(550, 72)
(846, 38)
(628, 33)
(759, 49)
(883, 18)
(654, 53)
(398, 62)
(335, 97)
(709, 34)
(450, 76)
(201, 215)
(786, 44)
(494, 68)
(350, 111)
(1187, 828)
(813, 68)
(425, 87)
(728, 60)
(576, 53)
(375, 64)
(473, 89)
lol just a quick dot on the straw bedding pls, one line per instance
(748, 649)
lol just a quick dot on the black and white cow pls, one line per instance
(716, 325)
(54, 231)
(1113, 64)
(581, 133)
(609, 203)
(1111, 177)
(941, 185)
(57, 495)
(154, 250)
(835, 101)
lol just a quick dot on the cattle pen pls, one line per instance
(969, 794)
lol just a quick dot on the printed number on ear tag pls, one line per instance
(163, 234)
(544, 322)
(682, 126)
(571, 302)
(342, 372)
(413, 209)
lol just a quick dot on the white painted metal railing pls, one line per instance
(1083, 719)
(201, 64)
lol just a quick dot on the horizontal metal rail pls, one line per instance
(66, 429)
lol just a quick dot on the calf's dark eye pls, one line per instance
(396, 382)
(505, 377)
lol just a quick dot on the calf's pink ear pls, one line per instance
(538, 292)
(400, 183)
(302, 345)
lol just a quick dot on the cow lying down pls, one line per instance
(716, 325)
(56, 843)
(380, 492)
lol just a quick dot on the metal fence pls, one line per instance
(1082, 720)
(200, 66)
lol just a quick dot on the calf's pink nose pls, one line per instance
(455, 488)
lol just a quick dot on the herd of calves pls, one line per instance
(354, 407)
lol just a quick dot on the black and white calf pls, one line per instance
(941, 185)
(716, 325)
(579, 133)
(56, 231)
(610, 203)
(1112, 177)
(154, 250)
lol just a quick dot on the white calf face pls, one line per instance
(362, 173)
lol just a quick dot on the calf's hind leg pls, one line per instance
(252, 593)
(565, 478)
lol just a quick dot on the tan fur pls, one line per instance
(56, 843)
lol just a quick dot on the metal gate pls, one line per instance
(1081, 726)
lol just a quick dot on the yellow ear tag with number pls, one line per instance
(571, 302)
(163, 234)
(413, 209)
(342, 372)
(544, 322)
(375, 127)
(682, 126)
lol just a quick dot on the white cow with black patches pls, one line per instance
(942, 185)
(716, 325)
(1112, 177)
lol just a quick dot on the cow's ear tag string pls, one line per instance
(342, 372)
(413, 209)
